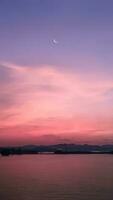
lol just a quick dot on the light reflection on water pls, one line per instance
(58, 177)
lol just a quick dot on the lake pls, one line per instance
(56, 177)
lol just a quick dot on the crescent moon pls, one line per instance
(55, 41)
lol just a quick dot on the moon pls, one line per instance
(55, 41)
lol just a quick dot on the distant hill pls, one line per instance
(57, 148)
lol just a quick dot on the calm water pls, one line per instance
(57, 177)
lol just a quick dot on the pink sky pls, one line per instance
(44, 104)
(56, 91)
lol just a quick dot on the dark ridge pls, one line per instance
(57, 149)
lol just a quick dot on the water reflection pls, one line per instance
(58, 177)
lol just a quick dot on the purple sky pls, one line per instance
(50, 83)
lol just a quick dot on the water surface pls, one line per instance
(57, 177)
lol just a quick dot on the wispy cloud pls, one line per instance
(45, 92)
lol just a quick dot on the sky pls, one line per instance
(56, 71)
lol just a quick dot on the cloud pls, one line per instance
(38, 93)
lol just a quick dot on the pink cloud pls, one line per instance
(77, 102)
